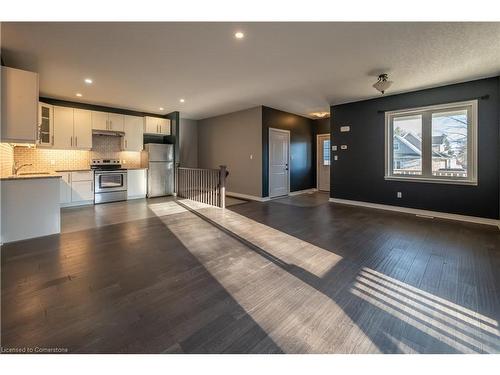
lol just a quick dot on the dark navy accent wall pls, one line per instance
(359, 172)
(322, 126)
(302, 139)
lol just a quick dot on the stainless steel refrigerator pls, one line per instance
(159, 159)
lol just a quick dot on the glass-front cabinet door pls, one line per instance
(45, 125)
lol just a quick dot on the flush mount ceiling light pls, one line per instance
(320, 114)
(239, 35)
(383, 83)
(88, 81)
(182, 100)
(78, 94)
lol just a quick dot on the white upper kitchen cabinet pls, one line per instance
(100, 120)
(164, 126)
(133, 139)
(156, 125)
(107, 121)
(72, 128)
(82, 129)
(45, 125)
(19, 117)
(63, 127)
(115, 122)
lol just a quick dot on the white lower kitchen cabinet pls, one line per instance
(65, 188)
(77, 188)
(136, 183)
(82, 191)
(29, 208)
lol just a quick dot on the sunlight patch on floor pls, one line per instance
(445, 321)
(276, 299)
(287, 248)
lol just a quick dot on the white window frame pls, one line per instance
(426, 113)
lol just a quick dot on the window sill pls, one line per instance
(432, 180)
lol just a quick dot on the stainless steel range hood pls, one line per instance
(113, 133)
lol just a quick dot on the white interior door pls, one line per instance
(323, 170)
(279, 151)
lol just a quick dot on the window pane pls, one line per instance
(449, 144)
(407, 145)
(326, 152)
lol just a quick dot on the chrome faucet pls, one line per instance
(16, 168)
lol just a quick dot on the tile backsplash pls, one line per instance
(6, 159)
(46, 159)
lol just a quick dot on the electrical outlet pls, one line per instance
(399, 194)
(345, 128)
(335, 157)
(251, 156)
(343, 147)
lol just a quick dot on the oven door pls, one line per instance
(107, 181)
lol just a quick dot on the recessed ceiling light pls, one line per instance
(161, 108)
(239, 35)
(88, 81)
(182, 100)
(79, 95)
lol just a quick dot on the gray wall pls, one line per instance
(230, 140)
(188, 143)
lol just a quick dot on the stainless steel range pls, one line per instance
(110, 181)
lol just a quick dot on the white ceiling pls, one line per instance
(297, 67)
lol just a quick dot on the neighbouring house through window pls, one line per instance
(433, 144)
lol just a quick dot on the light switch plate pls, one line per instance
(345, 128)
(335, 157)
(343, 147)
(334, 148)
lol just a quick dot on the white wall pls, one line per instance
(234, 140)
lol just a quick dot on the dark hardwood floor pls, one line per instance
(293, 275)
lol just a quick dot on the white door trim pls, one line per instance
(317, 158)
(269, 160)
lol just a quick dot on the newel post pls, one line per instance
(222, 185)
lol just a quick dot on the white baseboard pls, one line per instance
(76, 204)
(298, 192)
(265, 199)
(136, 197)
(418, 212)
(247, 197)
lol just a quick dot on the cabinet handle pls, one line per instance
(52, 140)
(76, 141)
(91, 186)
(71, 140)
(110, 125)
(126, 144)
